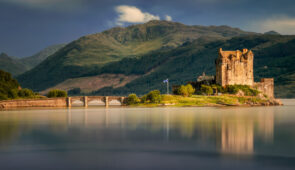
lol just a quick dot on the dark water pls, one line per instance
(149, 138)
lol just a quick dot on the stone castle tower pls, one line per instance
(235, 67)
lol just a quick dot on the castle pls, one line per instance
(236, 67)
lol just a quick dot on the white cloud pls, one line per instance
(132, 14)
(168, 18)
(281, 24)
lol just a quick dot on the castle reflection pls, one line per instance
(228, 130)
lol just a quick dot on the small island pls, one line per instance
(233, 85)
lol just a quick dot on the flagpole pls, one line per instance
(167, 86)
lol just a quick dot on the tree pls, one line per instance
(206, 90)
(190, 89)
(132, 99)
(57, 93)
(154, 96)
(186, 90)
(26, 93)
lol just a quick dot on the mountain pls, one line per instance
(17, 66)
(11, 64)
(37, 58)
(274, 57)
(272, 33)
(91, 53)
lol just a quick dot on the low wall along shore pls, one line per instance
(58, 102)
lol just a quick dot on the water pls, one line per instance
(149, 138)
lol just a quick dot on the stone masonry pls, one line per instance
(236, 68)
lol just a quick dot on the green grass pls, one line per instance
(199, 100)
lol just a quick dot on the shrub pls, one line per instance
(232, 89)
(132, 99)
(57, 93)
(186, 91)
(182, 90)
(143, 99)
(3, 96)
(206, 89)
(13, 93)
(219, 88)
(190, 89)
(25, 93)
(154, 96)
(248, 91)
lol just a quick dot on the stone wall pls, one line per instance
(234, 67)
(52, 102)
(266, 86)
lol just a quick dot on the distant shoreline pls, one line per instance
(167, 101)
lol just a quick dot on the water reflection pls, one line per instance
(226, 130)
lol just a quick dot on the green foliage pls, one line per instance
(154, 96)
(7, 85)
(206, 90)
(13, 93)
(26, 93)
(57, 93)
(186, 90)
(143, 99)
(248, 91)
(132, 99)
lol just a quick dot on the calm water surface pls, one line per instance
(149, 138)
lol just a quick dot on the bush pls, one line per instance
(57, 93)
(186, 91)
(190, 89)
(206, 89)
(248, 91)
(132, 99)
(13, 93)
(3, 96)
(143, 99)
(154, 96)
(25, 93)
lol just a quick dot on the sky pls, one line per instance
(28, 26)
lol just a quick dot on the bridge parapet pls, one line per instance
(87, 99)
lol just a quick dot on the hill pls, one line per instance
(91, 53)
(11, 64)
(17, 66)
(34, 60)
(274, 57)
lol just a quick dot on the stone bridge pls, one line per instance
(86, 99)
(59, 102)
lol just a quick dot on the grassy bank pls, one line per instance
(200, 100)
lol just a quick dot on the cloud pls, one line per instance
(168, 18)
(132, 14)
(281, 24)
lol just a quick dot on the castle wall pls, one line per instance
(266, 86)
(234, 67)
